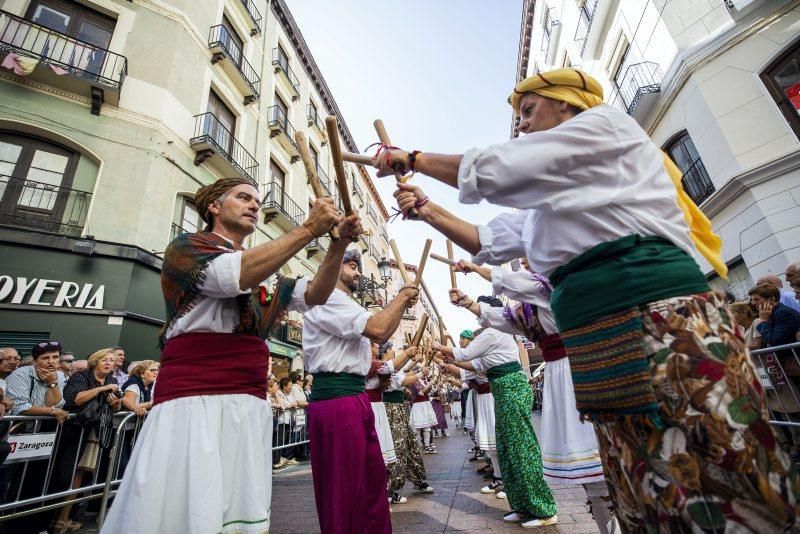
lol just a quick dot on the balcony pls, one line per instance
(697, 183)
(285, 73)
(248, 8)
(215, 143)
(43, 207)
(372, 213)
(279, 208)
(282, 131)
(638, 89)
(319, 246)
(326, 182)
(65, 62)
(374, 252)
(357, 190)
(315, 123)
(230, 58)
(586, 14)
(175, 231)
(548, 28)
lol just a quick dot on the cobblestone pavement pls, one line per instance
(457, 505)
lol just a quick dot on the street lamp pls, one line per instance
(384, 270)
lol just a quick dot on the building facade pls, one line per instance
(112, 114)
(716, 84)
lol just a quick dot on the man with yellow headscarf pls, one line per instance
(656, 363)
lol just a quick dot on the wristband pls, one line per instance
(412, 159)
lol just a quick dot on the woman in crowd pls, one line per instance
(277, 407)
(285, 421)
(139, 388)
(83, 387)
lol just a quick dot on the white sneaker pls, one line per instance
(395, 498)
(424, 488)
(540, 522)
(492, 488)
(515, 517)
(500, 494)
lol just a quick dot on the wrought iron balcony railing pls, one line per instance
(281, 64)
(585, 18)
(275, 201)
(177, 230)
(314, 119)
(548, 26)
(327, 185)
(220, 38)
(255, 15)
(358, 190)
(209, 131)
(62, 53)
(43, 207)
(281, 128)
(372, 213)
(697, 183)
(638, 80)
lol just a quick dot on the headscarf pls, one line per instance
(583, 91)
(352, 255)
(206, 195)
(466, 334)
(493, 302)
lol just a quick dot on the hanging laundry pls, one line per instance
(21, 65)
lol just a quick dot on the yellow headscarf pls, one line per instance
(582, 91)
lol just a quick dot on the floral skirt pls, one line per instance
(708, 461)
(518, 449)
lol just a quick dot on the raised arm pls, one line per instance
(383, 324)
(324, 282)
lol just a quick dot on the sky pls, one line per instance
(439, 75)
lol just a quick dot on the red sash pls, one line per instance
(212, 364)
(483, 389)
(552, 348)
(375, 395)
(421, 398)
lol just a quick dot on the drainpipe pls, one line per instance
(260, 119)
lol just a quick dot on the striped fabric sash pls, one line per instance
(610, 371)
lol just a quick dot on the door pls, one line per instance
(232, 42)
(222, 126)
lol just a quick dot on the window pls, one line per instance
(695, 180)
(278, 178)
(190, 219)
(224, 128)
(232, 41)
(281, 112)
(312, 111)
(283, 59)
(314, 155)
(35, 177)
(782, 79)
(74, 20)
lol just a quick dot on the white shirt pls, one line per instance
(592, 179)
(374, 382)
(522, 287)
(215, 309)
(471, 375)
(787, 299)
(333, 340)
(396, 383)
(490, 349)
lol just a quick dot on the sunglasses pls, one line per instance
(68, 361)
(45, 344)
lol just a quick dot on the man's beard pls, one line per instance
(350, 282)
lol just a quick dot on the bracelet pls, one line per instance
(412, 159)
(419, 203)
(307, 227)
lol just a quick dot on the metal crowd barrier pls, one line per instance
(38, 452)
(779, 372)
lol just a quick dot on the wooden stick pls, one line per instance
(421, 330)
(442, 259)
(423, 260)
(408, 339)
(452, 270)
(400, 265)
(361, 159)
(338, 164)
(398, 175)
(311, 172)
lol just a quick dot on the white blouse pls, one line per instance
(333, 340)
(215, 309)
(522, 287)
(595, 178)
(374, 382)
(490, 349)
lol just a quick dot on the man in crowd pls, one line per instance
(119, 373)
(202, 460)
(9, 361)
(346, 461)
(65, 363)
(786, 295)
(297, 394)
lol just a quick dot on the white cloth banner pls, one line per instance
(26, 447)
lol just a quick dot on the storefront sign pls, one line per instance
(294, 334)
(26, 447)
(55, 293)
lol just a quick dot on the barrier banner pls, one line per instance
(27, 447)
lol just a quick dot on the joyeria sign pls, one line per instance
(55, 293)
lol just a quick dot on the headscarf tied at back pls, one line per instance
(577, 88)
(206, 195)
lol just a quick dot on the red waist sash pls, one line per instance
(483, 389)
(421, 398)
(552, 348)
(375, 395)
(212, 364)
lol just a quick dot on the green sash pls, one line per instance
(620, 275)
(333, 385)
(395, 397)
(502, 370)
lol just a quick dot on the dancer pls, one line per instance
(569, 446)
(409, 465)
(496, 354)
(603, 213)
(437, 396)
(454, 397)
(346, 462)
(423, 418)
(202, 460)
